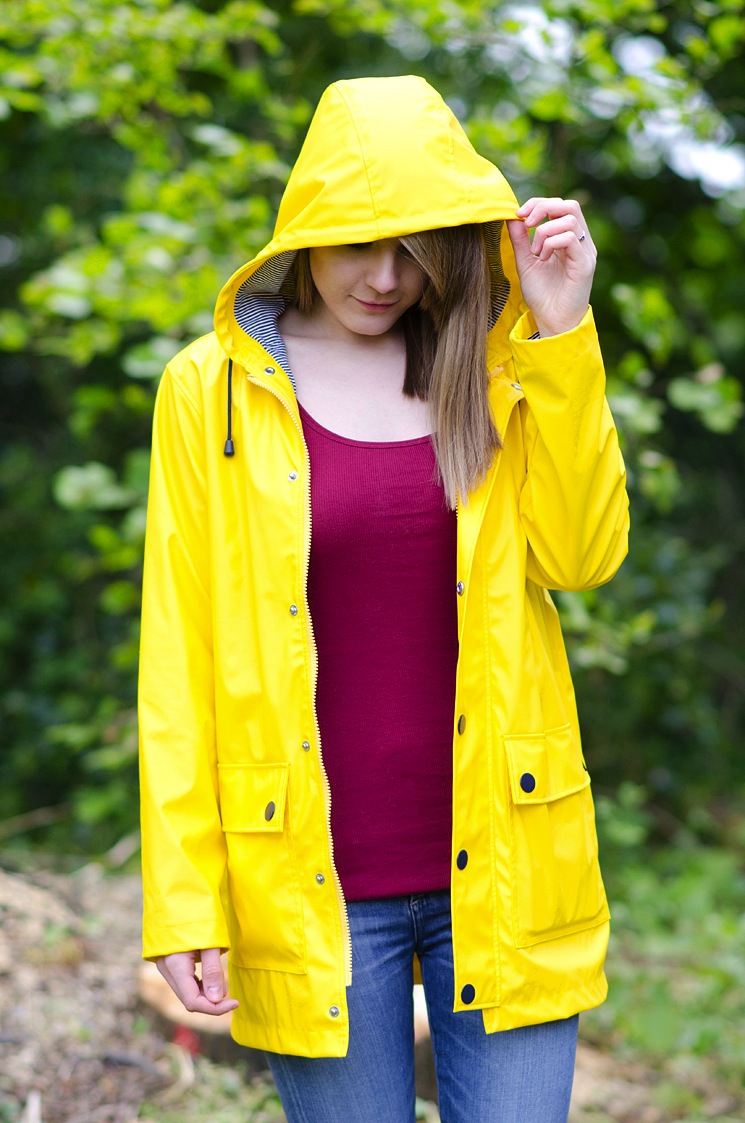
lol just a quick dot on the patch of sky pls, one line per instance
(640, 55)
(718, 165)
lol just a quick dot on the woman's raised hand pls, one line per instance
(557, 267)
(206, 995)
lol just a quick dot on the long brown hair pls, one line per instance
(445, 336)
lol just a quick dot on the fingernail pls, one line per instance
(214, 991)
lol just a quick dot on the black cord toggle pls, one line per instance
(229, 449)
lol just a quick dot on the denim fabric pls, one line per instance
(517, 1076)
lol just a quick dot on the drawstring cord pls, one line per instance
(229, 449)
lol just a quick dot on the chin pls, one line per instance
(372, 329)
(372, 324)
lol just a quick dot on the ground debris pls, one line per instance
(74, 1046)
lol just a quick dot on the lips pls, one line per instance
(375, 307)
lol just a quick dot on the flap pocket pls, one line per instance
(555, 879)
(253, 796)
(545, 766)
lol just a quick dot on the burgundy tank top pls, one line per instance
(381, 590)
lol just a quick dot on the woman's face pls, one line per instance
(364, 288)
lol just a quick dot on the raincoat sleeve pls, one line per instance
(573, 505)
(183, 847)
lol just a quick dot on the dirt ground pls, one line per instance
(78, 1045)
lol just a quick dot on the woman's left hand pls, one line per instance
(557, 267)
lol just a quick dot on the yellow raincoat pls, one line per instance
(237, 850)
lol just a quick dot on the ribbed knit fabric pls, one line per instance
(382, 598)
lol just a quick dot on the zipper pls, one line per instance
(346, 933)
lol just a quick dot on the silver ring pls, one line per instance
(582, 237)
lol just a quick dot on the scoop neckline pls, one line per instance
(306, 418)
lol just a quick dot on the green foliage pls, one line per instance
(675, 968)
(676, 972)
(143, 149)
(220, 1094)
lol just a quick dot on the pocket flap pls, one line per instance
(545, 766)
(253, 796)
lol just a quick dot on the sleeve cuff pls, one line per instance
(569, 357)
(526, 330)
(164, 939)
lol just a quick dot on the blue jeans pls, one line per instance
(516, 1076)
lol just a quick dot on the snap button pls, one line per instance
(468, 994)
(460, 588)
(334, 1011)
(294, 610)
(461, 723)
(527, 782)
(270, 370)
(270, 809)
(516, 386)
(462, 860)
(320, 878)
(306, 746)
(292, 476)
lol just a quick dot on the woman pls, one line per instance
(402, 362)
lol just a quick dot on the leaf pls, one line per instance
(91, 486)
(714, 397)
(14, 331)
(147, 360)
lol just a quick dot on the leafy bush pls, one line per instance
(143, 147)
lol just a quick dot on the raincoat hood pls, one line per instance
(383, 157)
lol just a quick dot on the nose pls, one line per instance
(382, 274)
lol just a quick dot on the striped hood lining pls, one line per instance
(257, 316)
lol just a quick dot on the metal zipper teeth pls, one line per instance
(314, 667)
